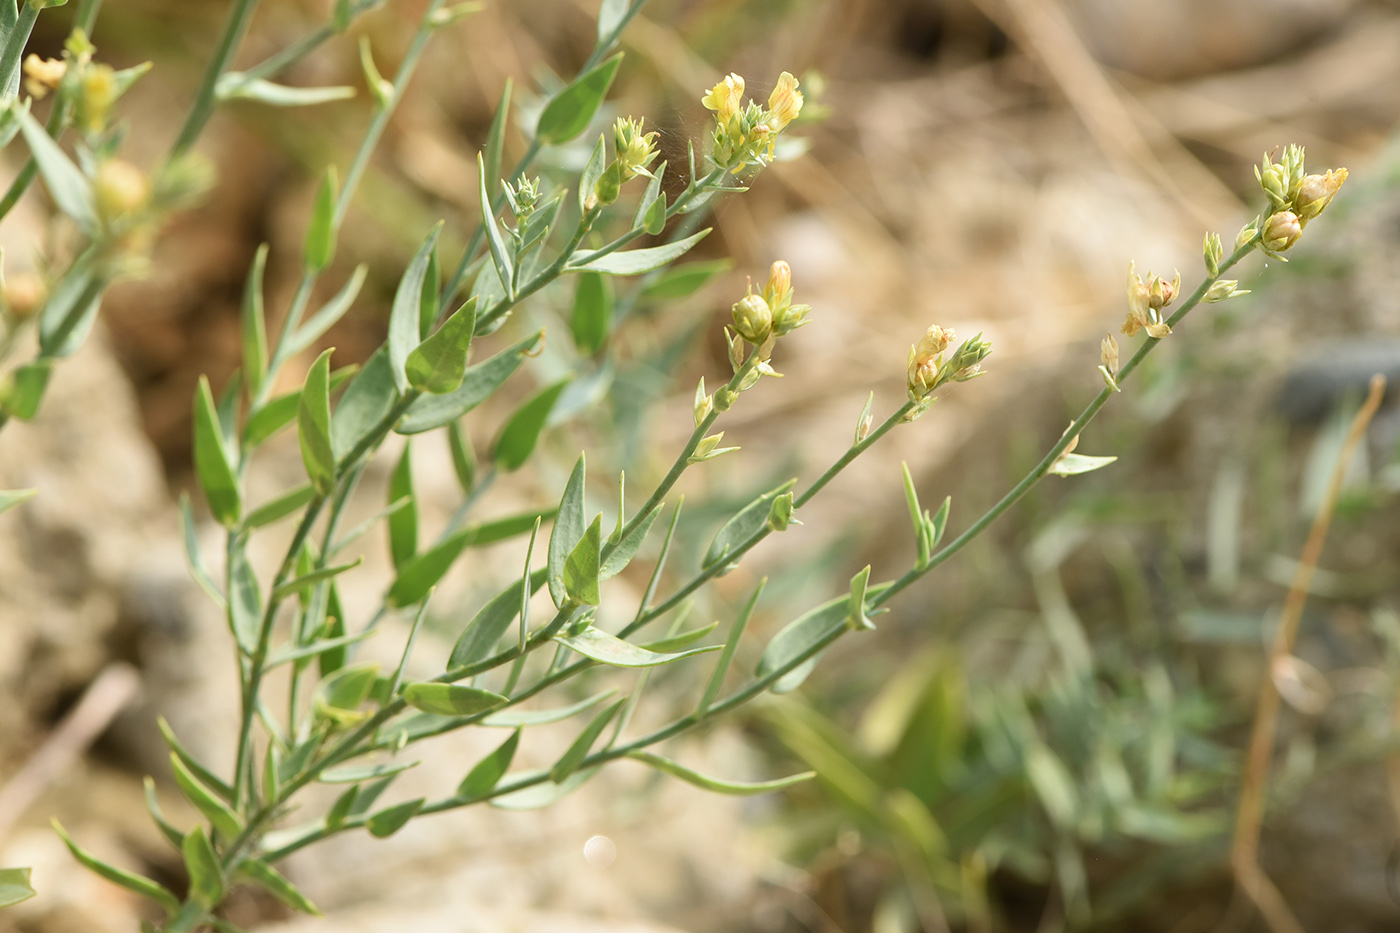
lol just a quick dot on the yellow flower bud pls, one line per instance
(1108, 354)
(926, 360)
(753, 319)
(1161, 293)
(42, 75)
(785, 103)
(120, 189)
(24, 294)
(99, 91)
(779, 287)
(1317, 191)
(635, 149)
(1281, 231)
(724, 98)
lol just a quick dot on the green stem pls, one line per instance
(235, 28)
(303, 46)
(15, 43)
(1042, 468)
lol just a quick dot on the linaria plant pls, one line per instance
(349, 722)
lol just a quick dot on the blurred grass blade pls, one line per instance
(716, 785)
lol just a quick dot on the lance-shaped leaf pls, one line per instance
(569, 526)
(654, 220)
(716, 785)
(609, 649)
(338, 696)
(635, 261)
(424, 571)
(621, 555)
(809, 632)
(1074, 464)
(332, 311)
(367, 401)
(278, 412)
(500, 256)
(23, 389)
(218, 813)
(319, 248)
(314, 425)
(570, 761)
(206, 777)
(749, 520)
(9, 498)
(649, 200)
(544, 794)
(582, 566)
(428, 301)
(483, 778)
(404, 321)
(273, 882)
(403, 521)
(518, 438)
(353, 774)
(254, 324)
(726, 658)
(439, 364)
(496, 135)
(591, 321)
(68, 314)
(855, 607)
(572, 109)
(193, 556)
(14, 886)
(683, 281)
(244, 599)
(213, 462)
(207, 884)
(279, 508)
(517, 718)
(430, 412)
(682, 640)
(392, 819)
(135, 883)
(490, 623)
(66, 184)
(610, 15)
(592, 171)
(450, 699)
(235, 85)
(310, 578)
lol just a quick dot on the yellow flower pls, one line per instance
(42, 75)
(724, 98)
(785, 103)
(1145, 301)
(635, 148)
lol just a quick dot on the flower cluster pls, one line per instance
(1294, 197)
(635, 148)
(1146, 301)
(927, 368)
(745, 134)
(770, 313)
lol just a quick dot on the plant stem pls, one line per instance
(15, 43)
(235, 28)
(303, 46)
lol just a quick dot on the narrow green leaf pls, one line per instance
(815, 627)
(392, 819)
(23, 389)
(478, 383)
(518, 438)
(428, 305)
(234, 85)
(582, 566)
(592, 318)
(171, 834)
(67, 186)
(635, 261)
(572, 109)
(463, 457)
(715, 785)
(14, 886)
(404, 321)
(245, 600)
(227, 407)
(1053, 784)
(939, 523)
(254, 324)
(207, 885)
(610, 14)
(627, 548)
(726, 658)
(483, 778)
(315, 648)
(403, 521)
(569, 526)
(746, 523)
(500, 257)
(855, 606)
(654, 220)
(367, 401)
(326, 316)
(137, 884)
(496, 135)
(314, 425)
(650, 197)
(450, 699)
(279, 508)
(490, 623)
(592, 171)
(569, 762)
(333, 660)
(439, 364)
(311, 578)
(206, 777)
(339, 695)
(335, 816)
(1074, 464)
(681, 640)
(212, 461)
(218, 813)
(64, 311)
(609, 649)
(9, 498)
(544, 794)
(273, 882)
(686, 280)
(911, 498)
(516, 719)
(424, 571)
(319, 248)
(353, 774)
(193, 556)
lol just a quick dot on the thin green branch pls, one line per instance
(240, 15)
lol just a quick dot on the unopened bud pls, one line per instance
(1316, 192)
(1223, 289)
(780, 512)
(42, 75)
(1161, 293)
(1108, 354)
(1213, 252)
(120, 189)
(1273, 178)
(1281, 231)
(24, 293)
(779, 285)
(99, 91)
(865, 420)
(704, 404)
(752, 318)
(1247, 234)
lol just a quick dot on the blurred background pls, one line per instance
(1047, 733)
